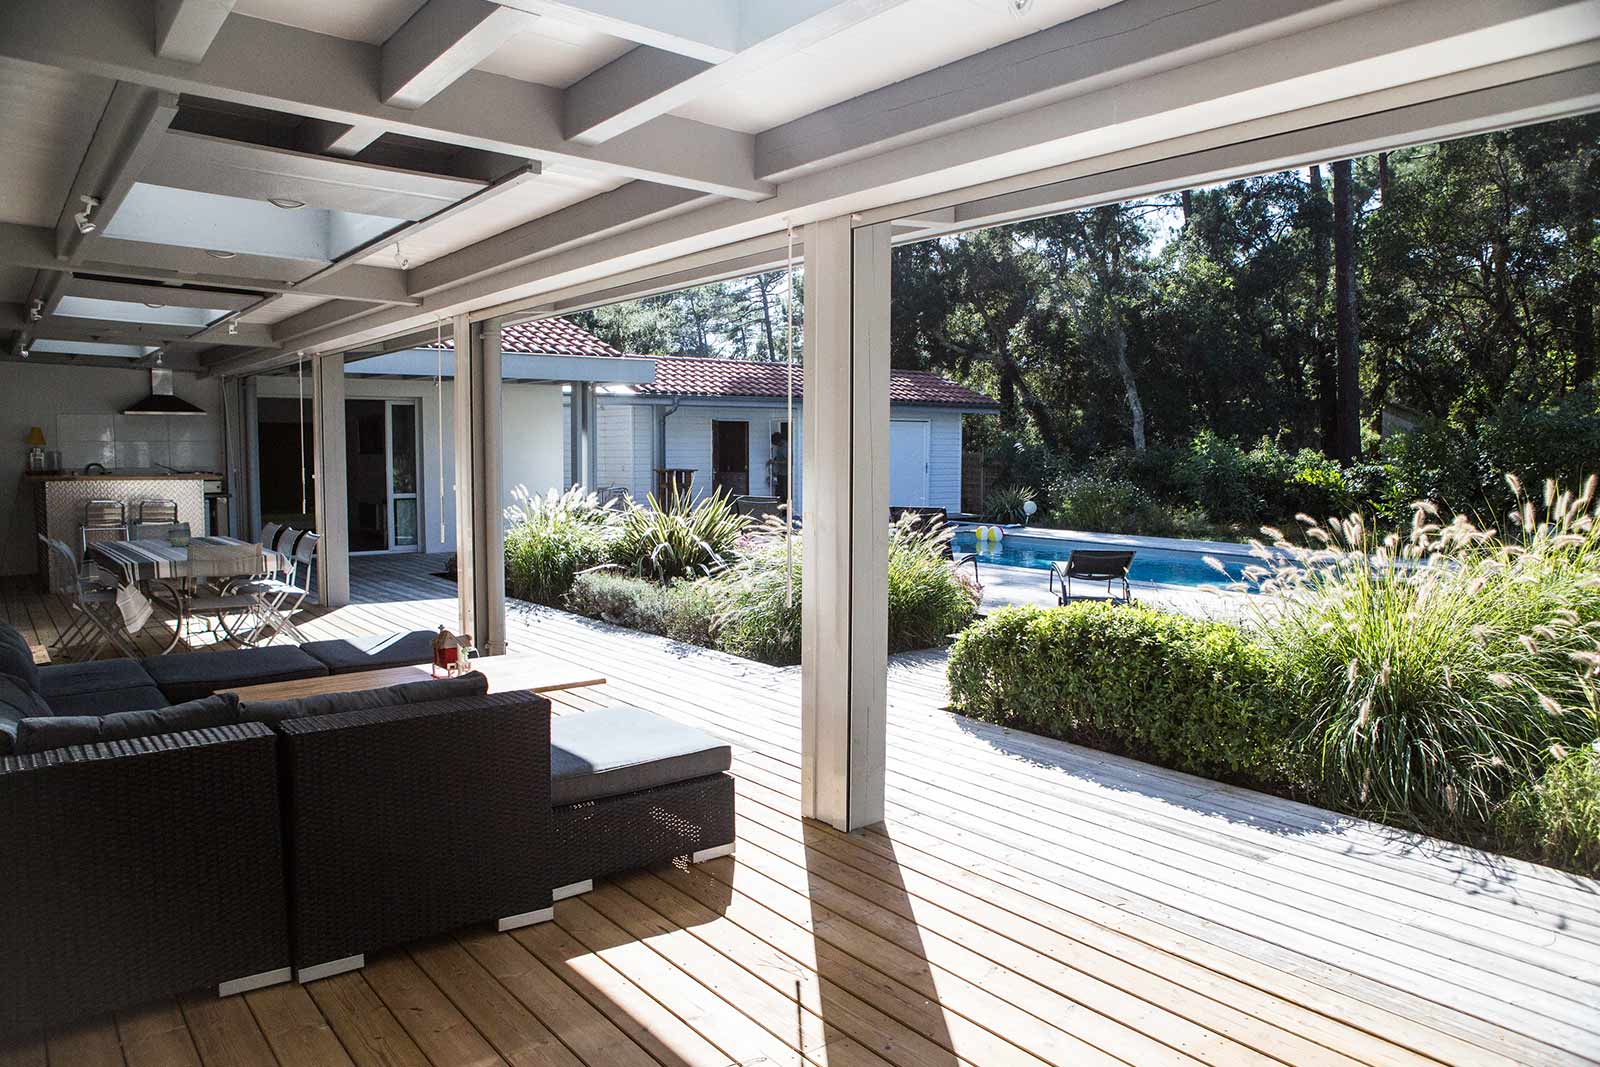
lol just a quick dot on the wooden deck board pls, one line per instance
(1027, 902)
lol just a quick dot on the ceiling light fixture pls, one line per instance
(25, 353)
(82, 217)
(150, 305)
(285, 202)
(233, 327)
(1019, 7)
(36, 311)
(217, 253)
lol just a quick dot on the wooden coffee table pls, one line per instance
(505, 673)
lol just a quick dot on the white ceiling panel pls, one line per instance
(282, 307)
(554, 53)
(372, 21)
(45, 126)
(552, 190)
(903, 41)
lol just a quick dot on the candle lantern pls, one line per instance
(450, 654)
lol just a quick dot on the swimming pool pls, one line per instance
(1166, 566)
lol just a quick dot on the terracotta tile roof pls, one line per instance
(689, 376)
(548, 337)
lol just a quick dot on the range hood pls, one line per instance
(161, 401)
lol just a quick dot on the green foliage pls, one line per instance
(686, 538)
(1199, 696)
(549, 539)
(1107, 504)
(1004, 504)
(1436, 673)
(928, 599)
(684, 611)
(1556, 820)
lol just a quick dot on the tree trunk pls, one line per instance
(1583, 336)
(766, 318)
(1347, 329)
(1119, 348)
(1188, 206)
(1321, 354)
(1383, 178)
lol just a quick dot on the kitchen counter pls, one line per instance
(116, 475)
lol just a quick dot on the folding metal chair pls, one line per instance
(282, 596)
(219, 594)
(156, 511)
(102, 518)
(90, 594)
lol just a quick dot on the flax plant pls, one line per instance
(1441, 670)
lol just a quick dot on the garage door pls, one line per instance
(908, 464)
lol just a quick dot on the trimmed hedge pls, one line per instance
(683, 611)
(1197, 696)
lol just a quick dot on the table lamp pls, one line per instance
(35, 444)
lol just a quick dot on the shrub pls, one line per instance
(683, 611)
(549, 539)
(686, 538)
(1556, 820)
(1096, 502)
(1436, 673)
(1005, 504)
(927, 598)
(1198, 696)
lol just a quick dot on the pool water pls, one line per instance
(1149, 564)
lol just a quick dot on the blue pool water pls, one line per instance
(1149, 564)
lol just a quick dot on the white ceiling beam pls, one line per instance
(267, 65)
(32, 247)
(707, 30)
(442, 41)
(169, 295)
(648, 82)
(124, 144)
(336, 138)
(1143, 38)
(186, 28)
(255, 172)
(115, 331)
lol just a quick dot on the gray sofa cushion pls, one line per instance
(221, 709)
(276, 711)
(203, 673)
(372, 653)
(64, 679)
(16, 658)
(17, 702)
(41, 733)
(623, 749)
(109, 701)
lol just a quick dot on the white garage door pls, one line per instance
(908, 464)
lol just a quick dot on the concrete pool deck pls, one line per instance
(1004, 585)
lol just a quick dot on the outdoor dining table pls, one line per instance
(151, 562)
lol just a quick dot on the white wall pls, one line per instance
(531, 428)
(77, 407)
(689, 445)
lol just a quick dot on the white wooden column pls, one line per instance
(845, 482)
(330, 472)
(583, 433)
(480, 521)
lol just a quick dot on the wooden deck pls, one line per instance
(1028, 902)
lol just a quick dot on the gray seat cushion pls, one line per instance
(272, 712)
(198, 674)
(372, 653)
(106, 702)
(623, 749)
(45, 732)
(16, 658)
(66, 679)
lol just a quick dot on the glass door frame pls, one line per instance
(390, 496)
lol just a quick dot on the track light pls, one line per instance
(36, 311)
(82, 217)
(25, 353)
(285, 202)
(233, 327)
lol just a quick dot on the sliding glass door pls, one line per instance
(382, 449)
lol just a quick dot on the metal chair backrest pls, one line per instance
(208, 560)
(67, 584)
(157, 512)
(1098, 565)
(270, 532)
(156, 531)
(305, 547)
(104, 515)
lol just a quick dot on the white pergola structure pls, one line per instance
(312, 178)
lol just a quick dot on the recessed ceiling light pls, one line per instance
(217, 253)
(285, 203)
(150, 305)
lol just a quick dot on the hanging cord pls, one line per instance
(788, 444)
(300, 412)
(438, 389)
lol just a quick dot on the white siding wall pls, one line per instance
(530, 427)
(689, 441)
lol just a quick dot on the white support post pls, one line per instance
(480, 529)
(591, 436)
(845, 609)
(330, 472)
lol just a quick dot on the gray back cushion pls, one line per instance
(16, 658)
(42, 733)
(470, 684)
(17, 703)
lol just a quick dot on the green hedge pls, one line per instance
(1198, 696)
(683, 611)
(1556, 820)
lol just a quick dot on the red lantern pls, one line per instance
(450, 654)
